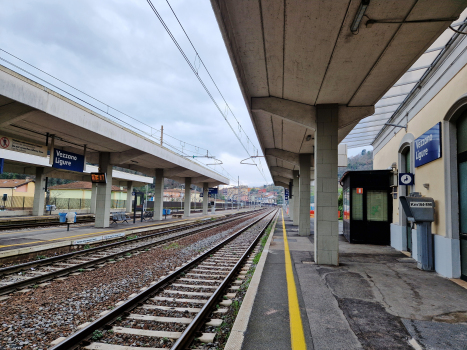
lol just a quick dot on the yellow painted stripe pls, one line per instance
(296, 327)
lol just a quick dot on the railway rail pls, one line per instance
(40, 271)
(190, 293)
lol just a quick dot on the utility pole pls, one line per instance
(238, 194)
(162, 134)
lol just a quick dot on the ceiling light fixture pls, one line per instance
(308, 138)
(358, 17)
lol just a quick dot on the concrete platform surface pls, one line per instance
(12, 242)
(375, 299)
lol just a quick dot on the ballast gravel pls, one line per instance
(33, 319)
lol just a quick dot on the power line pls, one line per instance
(181, 152)
(195, 71)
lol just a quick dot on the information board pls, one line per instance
(211, 191)
(68, 161)
(428, 146)
(99, 178)
(17, 145)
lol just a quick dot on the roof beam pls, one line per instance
(286, 156)
(282, 171)
(174, 171)
(280, 179)
(117, 158)
(299, 113)
(14, 112)
(349, 115)
(278, 183)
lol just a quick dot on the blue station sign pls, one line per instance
(428, 146)
(211, 191)
(286, 194)
(68, 161)
(2, 164)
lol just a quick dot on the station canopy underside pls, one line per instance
(290, 56)
(29, 111)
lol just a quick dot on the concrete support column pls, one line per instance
(296, 194)
(205, 198)
(39, 193)
(304, 201)
(326, 243)
(93, 197)
(104, 192)
(129, 197)
(158, 194)
(291, 200)
(187, 197)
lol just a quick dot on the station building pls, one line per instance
(428, 138)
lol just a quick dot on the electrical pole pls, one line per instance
(162, 134)
(238, 194)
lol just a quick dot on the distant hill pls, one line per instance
(363, 161)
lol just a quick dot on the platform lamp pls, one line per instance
(359, 15)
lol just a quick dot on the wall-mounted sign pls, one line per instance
(359, 190)
(428, 146)
(211, 191)
(2, 164)
(406, 179)
(98, 178)
(68, 161)
(286, 194)
(17, 145)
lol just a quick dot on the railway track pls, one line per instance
(173, 310)
(39, 271)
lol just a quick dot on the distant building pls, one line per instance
(17, 187)
(178, 194)
(82, 190)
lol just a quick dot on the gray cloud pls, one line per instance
(118, 52)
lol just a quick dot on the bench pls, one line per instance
(177, 215)
(119, 217)
(148, 215)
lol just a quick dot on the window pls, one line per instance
(357, 205)
(377, 206)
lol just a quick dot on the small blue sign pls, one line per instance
(2, 164)
(286, 194)
(428, 146)
(406, 179)
(211, 192)
(68, 161)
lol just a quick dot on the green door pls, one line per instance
(462, 175)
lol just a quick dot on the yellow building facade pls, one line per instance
(441, 98)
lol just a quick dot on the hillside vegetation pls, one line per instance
(363, 161)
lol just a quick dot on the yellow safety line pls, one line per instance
(86, 234)
(296, 327)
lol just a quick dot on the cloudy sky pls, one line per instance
(118, 52)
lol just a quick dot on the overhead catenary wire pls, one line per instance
(196, 73)
(106, 111)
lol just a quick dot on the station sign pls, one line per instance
(211, 191)
(2, 164)
(428, 146)
(68, 161)
(406, 179)
(286, 194)
(17, 145)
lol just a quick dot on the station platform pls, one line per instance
(25, 241)
(376, 299)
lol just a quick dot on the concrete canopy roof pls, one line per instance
(29, 111)
(290, 56)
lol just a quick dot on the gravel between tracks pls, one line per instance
(33, 319)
